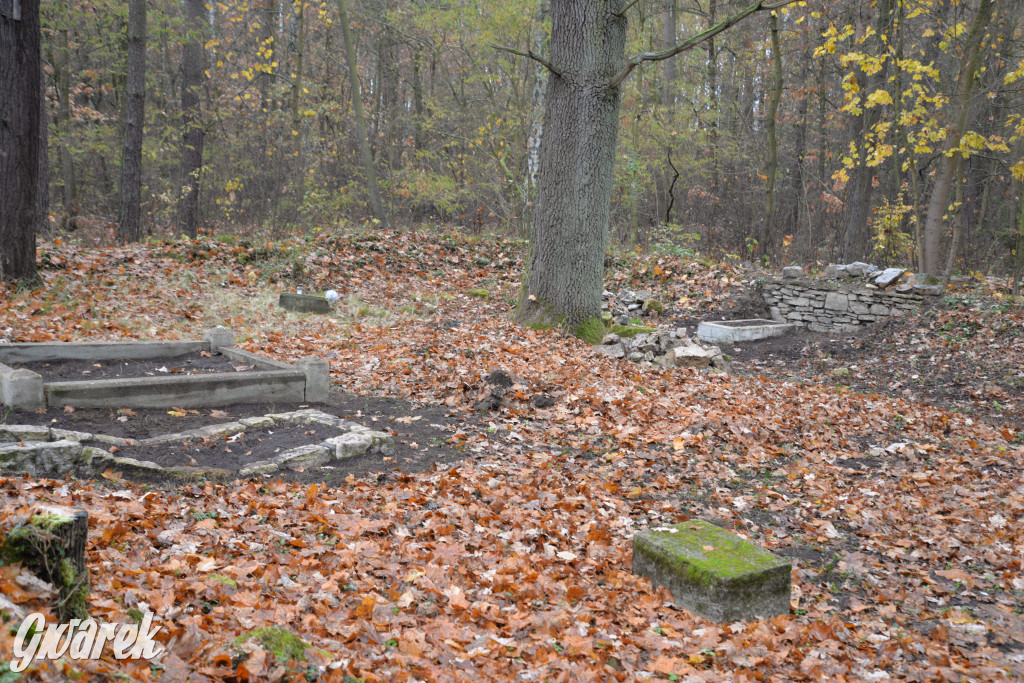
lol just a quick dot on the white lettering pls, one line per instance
(82, 640)
(23, 655)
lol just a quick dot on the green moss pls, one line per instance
(606, 318)
(281, 643)
(136, 615)
(478, 294)
(591, 330)
(541, 326)
(654, 306)
(224, 580)
(16, 547)
(630, 330)
(74, 593)
(706, 554)
(48, 522)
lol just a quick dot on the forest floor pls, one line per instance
(888, 464)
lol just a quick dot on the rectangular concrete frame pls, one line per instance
(732, 331)
(273, 381)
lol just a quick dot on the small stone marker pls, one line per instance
(304, 303)
(713, 573)
(21, 389)
(219, 337)
(792, 272)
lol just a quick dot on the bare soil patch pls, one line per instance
(423, 435)
(189, 364)
(231, 452)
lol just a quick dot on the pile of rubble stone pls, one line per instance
(631, 304)
(664, 348)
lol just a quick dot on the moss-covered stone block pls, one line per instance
(630, 330)
(712, 572)
(478, 294)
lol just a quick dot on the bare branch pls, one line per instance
(531, 55)
(626, 8)
(696, 40)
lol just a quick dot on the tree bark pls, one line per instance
(773, 143)
(565, 268)
(577, 156)
(64, 118)
(856, 242)
(20, 140)
(372, 188)
(669, 23)
(129, 225)
(931, 238)
(192, 137)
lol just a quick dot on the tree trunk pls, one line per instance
(773, 144)
(577, 156)
(64, 119)
(376, 205)
(129, 225)
(193, 75)
(565, 268)
(669, 22)
(856, 241)
(713, 104)
(20, 139)
(933, 223)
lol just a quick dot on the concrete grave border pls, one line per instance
(21, 389)
(44, 451)
(751, 329)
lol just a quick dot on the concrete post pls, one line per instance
(22, 389)
(318, 378)
(219, 337)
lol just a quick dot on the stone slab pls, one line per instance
(303, 303)
(17, 433)
(733, 331)
(26, 352)
(889, 276)
(188, 391)
(712, 572)
(313, 455)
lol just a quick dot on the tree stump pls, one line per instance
(51, 544)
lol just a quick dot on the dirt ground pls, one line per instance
(938, 357)
(188, 364)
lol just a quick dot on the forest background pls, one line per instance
(821, 131)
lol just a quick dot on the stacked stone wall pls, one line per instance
(835, 306)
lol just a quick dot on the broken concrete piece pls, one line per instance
(712, 572)
(889, 276)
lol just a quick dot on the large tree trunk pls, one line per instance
(129, 224)
(933, 223)
(372, 188)
(192, 72)
(20, 139)
(577, 156)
